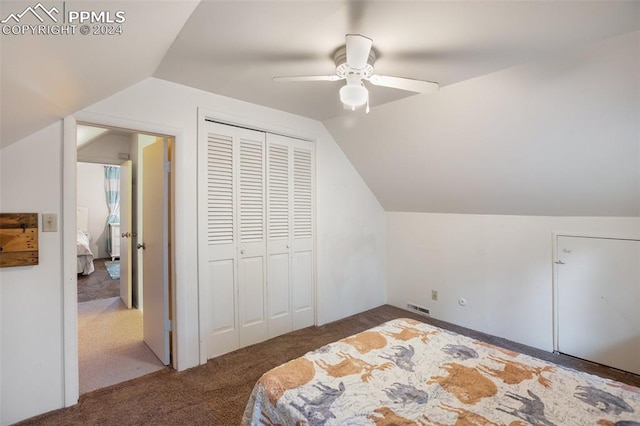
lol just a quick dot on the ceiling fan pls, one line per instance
(354, 63)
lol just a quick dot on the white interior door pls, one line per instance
(218, 276)
(256, 219)
(303, 305)
(233, 274)
(154, 249)
(290, 218)
(125, 232)
(251, 220)
(279, 208)
(598, 305)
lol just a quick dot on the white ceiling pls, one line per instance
(88, 134)
(559, 137)
(234, 48)
(45, 78)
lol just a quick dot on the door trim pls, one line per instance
(71, 378)
(71, 390)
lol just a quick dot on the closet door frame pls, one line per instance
(205, 114)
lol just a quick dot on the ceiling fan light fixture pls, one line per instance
(354, 94)
(354, 63)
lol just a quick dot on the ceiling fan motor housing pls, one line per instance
(342, 69)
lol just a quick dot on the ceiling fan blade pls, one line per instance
(358, 48)
(307, 78)
(410, 84)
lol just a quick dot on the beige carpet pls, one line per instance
(110, 346)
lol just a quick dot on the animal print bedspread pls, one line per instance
(405, 372)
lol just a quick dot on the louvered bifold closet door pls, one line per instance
(256, 236)
(232, 277)
(218, 277)
(252, 244)
(279, 213)
(290, 269)
(303, 230)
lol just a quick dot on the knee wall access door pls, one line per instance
(598, 300)
(256, 216)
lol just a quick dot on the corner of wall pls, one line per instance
(352, 237)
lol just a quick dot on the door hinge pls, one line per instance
(167, 166)
(167, 326)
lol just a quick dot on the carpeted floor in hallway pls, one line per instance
(110, 345)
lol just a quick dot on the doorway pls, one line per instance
(597, 292)
(126, 334)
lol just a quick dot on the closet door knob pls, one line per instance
(141, 246)
(241, 251)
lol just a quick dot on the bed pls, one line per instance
(405, 372)
(83, 240)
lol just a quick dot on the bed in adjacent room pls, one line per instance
(85, 256)
(405, 372)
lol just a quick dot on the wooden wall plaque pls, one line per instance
(18, 239)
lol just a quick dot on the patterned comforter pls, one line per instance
(405, 372)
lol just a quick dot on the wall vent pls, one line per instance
(418, 309)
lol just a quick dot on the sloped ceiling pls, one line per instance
(234, 48)
(559, 137)
(47, 77)
(405, 149)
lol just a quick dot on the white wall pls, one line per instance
(350, 221)
(90, 193)
(106, 148)
(31, 311)
(502, 266)
(350, 236)
(558, 137)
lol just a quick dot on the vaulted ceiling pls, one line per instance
(47, 77)
(234, 48)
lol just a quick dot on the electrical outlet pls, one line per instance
(434, 295)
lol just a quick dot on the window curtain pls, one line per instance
(112, 191)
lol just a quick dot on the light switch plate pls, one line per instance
(49, 222)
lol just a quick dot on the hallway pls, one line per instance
(110, 345)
